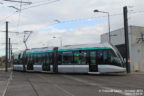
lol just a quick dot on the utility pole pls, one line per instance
(9, 51)
(126, 38)
(6, 57)
(9, 48)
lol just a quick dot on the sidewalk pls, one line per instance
(4, 77)
(138, 73)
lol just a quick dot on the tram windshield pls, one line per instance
(119, 55)
(115, 59)
(108, 57)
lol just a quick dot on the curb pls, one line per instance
(138, 73)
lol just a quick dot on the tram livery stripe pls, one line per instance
(71, 49)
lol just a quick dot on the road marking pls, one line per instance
(67, 92)
(10, 78)
(93, 84)
(32, 85)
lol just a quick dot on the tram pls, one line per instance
(86, 58)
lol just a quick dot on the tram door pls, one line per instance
(93, 67)
(55, 60)
(24, 60)
(30, 63)
(46, 63)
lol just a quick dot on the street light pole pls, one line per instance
(108, 22)
(9, 60)
(6, 57)
(109, 27)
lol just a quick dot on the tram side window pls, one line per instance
(93, 57)
(100, 59)
(33, 58)
(103, 57)
(47, 58)
(26, 59)
(50, 58)
(30, 58)
(106, 56)
(38, 59)
(80, 57)
(44, 57)
(76, 58)
(67, 58)
(83, 57)
(59, 58)
(41, 58)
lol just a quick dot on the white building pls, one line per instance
(136, 43)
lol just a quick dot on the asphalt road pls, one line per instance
(42, 84)
(4, 77)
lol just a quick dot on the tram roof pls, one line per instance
(86, 46)
(40, 49)
(100, 45)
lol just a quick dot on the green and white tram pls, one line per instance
(90, 58)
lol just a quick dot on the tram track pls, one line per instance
(114, 82)
(32, 85)
(94, 84)
(58, 87)
(83, 82)
(66, 93)
(38, 84)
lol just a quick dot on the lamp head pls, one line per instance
(96, 10)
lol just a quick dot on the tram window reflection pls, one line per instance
(80, 57)
(83, 57)
(76, 57)
(93, 57)
(114, 60)
(106, 57)
(50, 58)
(59, 58)
(100, 57)
(67, 58)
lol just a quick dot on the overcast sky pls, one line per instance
(70, 21)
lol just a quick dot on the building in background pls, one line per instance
(136, 43)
